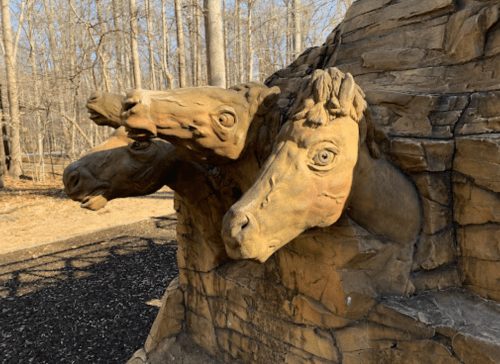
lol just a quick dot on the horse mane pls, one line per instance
(330, 94)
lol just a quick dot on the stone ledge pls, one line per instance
(467, 323)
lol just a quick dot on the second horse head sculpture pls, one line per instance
(325, 162)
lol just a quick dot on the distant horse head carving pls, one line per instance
(206, 124)
(324, 161)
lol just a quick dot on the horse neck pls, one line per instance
(259, 144)
(383, 200)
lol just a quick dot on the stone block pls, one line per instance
(436, 216)
(362, 7)
(419, 155)
(479, 158)
(434, 186)
(170, 317)
(436, 279)
(472, 204)
(429, 38)
(197, 303)
(387, 317)
(465, 36)
(350, 298)
(413, 353)
(433, 251)
(202, 331)
(402, 113)
(305, 310)
(451, 311)
(471, 350)
(492, 46)
(367, 336)
(396, 15)
(485, 293)
(312, 340)
(391, 59)
(480, 241)
(482, 115)
(481, 273)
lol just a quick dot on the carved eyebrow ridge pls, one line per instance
(171, 99)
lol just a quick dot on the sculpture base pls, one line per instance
(231, 314)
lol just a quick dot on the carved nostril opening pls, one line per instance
(128, 105)
(73, 180)
(95, 96)
(239, 225)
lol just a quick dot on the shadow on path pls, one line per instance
(84, 305)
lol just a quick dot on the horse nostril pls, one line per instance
(72, 180)
(127, 105)
(239, 225)
(95, 96)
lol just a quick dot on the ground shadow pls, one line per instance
(90, 307)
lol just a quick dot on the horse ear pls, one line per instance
(370, 134)
(271, 96)
(260, 97)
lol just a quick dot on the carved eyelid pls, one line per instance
(328, 144)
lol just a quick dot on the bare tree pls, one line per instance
(181, 46)
(133, 43)
(215, 43)
(297, 32)
(15, 169)
(165, 48)
(249, 41)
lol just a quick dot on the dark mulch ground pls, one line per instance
(95, 313)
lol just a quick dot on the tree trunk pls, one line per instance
(165, 47)
(239, 43)
(199, 53)
(215, 44)
(249, 42)
(224, 28)
(118, 43)
(192, 42)
(149, 24)
(15, 169)
(297, 32)
(180, 44)
(133, 44)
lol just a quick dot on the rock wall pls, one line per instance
(430, 70)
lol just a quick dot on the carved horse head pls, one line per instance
(322, 157)
(206, 124)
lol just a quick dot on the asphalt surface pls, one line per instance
(85, 304)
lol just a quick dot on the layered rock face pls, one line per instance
(431, 72)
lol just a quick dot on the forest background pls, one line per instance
(55, 53)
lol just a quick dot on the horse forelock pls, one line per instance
(327, 95)
(330, 94)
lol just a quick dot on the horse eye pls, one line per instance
(140, 145)
(226, 120)
(324, 157)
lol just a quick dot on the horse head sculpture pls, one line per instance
(120, 166)
(324, 162)
(205, 124)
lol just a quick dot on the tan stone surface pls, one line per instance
(474, 205)
(470, 350)
(478, 157)
(480, 241)
(169, 320)
(430, 72)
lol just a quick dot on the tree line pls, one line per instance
(57, 52)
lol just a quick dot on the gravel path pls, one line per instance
(92, 303)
